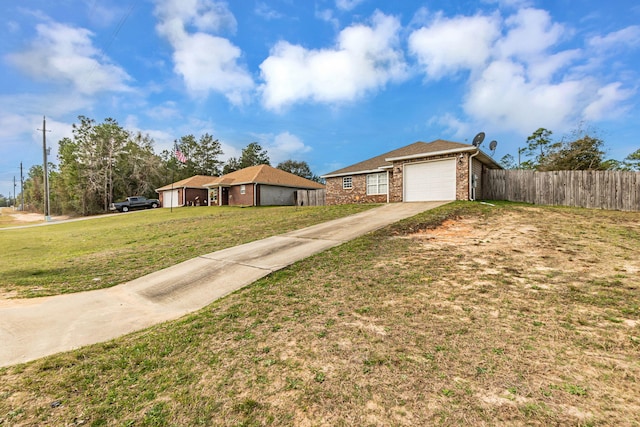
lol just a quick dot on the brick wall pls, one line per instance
(358, 194)
(237, 199)
(336, 195)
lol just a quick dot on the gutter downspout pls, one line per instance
(255, 194)
(388, 186)
(472, 198)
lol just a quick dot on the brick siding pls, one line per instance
(358, 194)
(336, 195)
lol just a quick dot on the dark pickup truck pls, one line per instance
(135, 203)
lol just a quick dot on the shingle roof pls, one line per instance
(264, 174)
(419, 147)
(196, 181)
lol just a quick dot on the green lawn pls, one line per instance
(102, 252)
(464, 315)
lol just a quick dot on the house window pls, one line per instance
(243, 189)
(347, 182)
(377, 183)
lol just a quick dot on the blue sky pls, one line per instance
(330, 82)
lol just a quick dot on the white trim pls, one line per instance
(350, 187)
(378, 175)
(432, 154)
(336, 175)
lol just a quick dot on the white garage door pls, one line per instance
(170, 199)
(430, 181)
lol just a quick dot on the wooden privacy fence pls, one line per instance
(311, 197)
(615, 190)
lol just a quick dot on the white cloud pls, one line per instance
(65, 54)
(503, 97)
(364, 59)
(347, 5)
(264, 10)
(450, 45)
(627, 37)
(531, 33)
(164, 111)
(203, 15)
(608, 103)
(285, 146)
(454, 126)
(326, 15)
(519, 79)
(205, 62)
(544, 68)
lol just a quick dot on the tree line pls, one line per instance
(103, 162)
(580, 150)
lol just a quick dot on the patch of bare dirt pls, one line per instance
(28, 217)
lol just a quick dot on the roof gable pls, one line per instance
(416, 148)
(196, 181)
(264, 174)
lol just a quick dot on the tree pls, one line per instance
(206, 156)
(632, 161)
(581, 150)
(252, 155)
(231, 165)
(102, 163)
(97, 150)
(300, 168)
(34, 189)
(508, 162)
(202, 156)
(140, 171)
(539, 146)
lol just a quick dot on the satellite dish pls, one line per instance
(492, 145)
(477, 140)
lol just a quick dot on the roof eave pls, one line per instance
(432, 154)
(335, 175)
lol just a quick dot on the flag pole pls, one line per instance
(171, 199)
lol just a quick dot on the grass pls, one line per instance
(431, 321)
(102, 252)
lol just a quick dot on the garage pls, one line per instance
(430, 181)
(170, 199)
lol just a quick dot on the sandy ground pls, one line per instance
(29, 217)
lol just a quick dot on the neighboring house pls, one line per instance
(422, 171)
(186, 192)
(260, 185)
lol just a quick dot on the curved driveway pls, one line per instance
(33, 328)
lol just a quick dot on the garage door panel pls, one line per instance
(170, 199)
(430, 181)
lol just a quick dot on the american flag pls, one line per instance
(180, 155)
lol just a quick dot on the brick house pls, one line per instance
(422, 171)
(260, 185)
(186, 192)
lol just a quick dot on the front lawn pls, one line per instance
(102, 252)
(464, 315)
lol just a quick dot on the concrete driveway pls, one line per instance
(33, 328)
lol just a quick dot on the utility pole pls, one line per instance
(15, 200)
(21, 189)
(47, 214)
